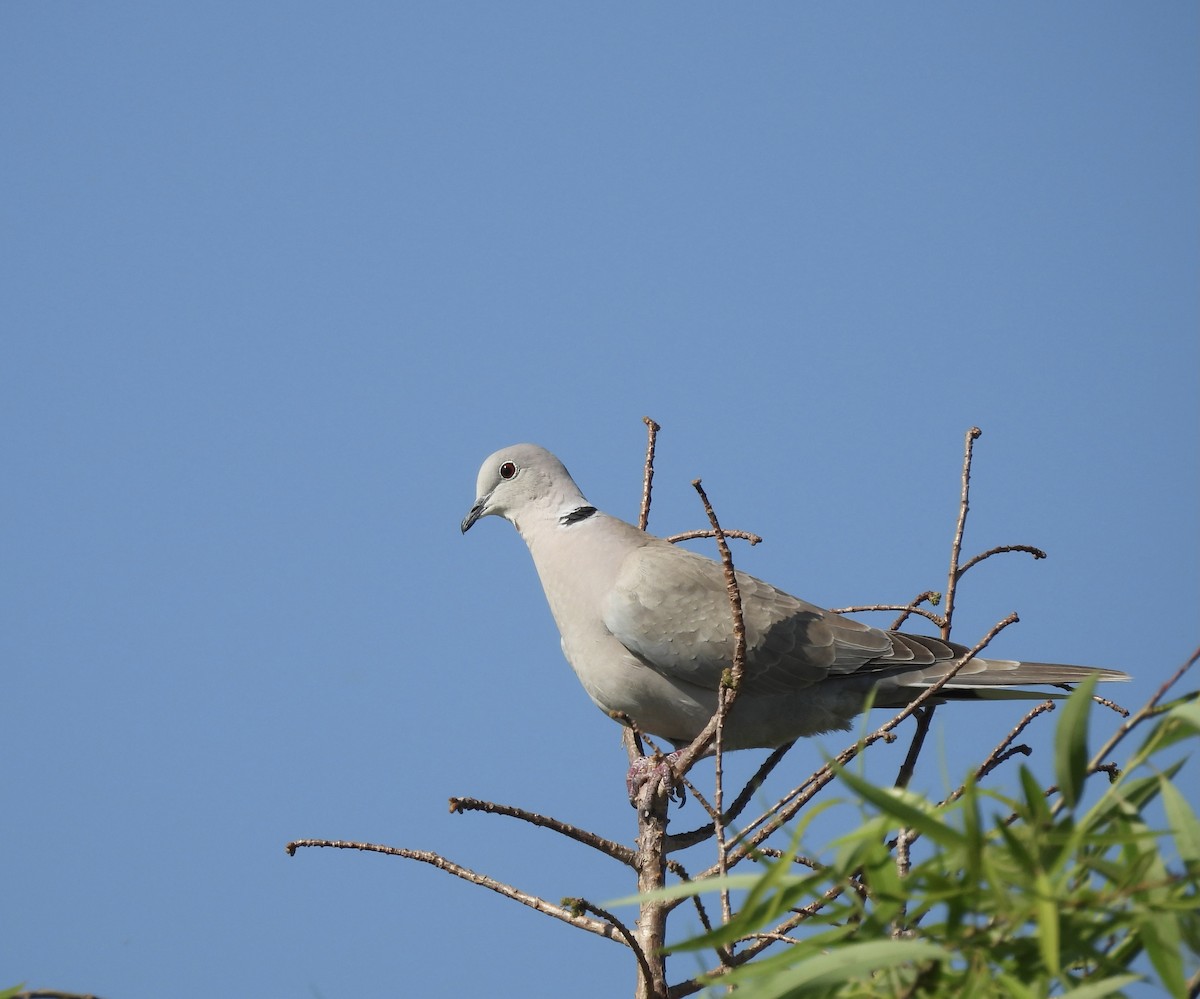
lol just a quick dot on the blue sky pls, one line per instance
(278, 277)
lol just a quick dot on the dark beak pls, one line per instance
(474, 514)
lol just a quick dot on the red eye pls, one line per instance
(508, 470)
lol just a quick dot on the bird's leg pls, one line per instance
(656, 767)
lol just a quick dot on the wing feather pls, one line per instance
(670, 607)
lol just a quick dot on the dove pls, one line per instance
(647, 627)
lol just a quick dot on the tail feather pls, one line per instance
(987, 679)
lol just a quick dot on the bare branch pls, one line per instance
(651, 804)
(1002, 751)
(676, 868)
(652, 430)
(956, 546)
(754, 539)
(699, 745)
(905, 609)
(618, 851)
(798, 916)
(581, 905)
(631, 738)
(726, 693)
(933, 597)
(1037, 553)
(1104, 702)
(442, 864)
(909, 766)
(681, 841)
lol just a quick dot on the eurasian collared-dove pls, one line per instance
(647, 626)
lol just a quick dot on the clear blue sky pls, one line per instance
(278, 276)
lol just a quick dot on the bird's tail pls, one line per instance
(987, 679)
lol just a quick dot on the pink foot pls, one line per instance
(646, 768)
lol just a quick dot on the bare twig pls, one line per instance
(1037, 553)
(618, 851)
(581, 905)
(933, 597)
(793, 858)
(728, 690)
(770, 938)
(798, 916)
(676, 868)
(719, 801)
(956, 546)
(1104, 702)
(699, 745)
(631, 738)
(905, 609)
(652, 430)
(754, 539)
(682, 841)
(909, 766)
(924, 717)
(904, 843)
(442, 864)
(1003, 752)
(757, 943)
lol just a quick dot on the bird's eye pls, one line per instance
(508, 470)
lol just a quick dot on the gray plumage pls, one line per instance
(647, 627)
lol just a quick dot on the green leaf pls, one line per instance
(907, 809)
(1016, 988)
(1182, 719)
(685, 889)
(1179, 721)
(1048, 928)
(1128, 797)
(1183, 823)
(779, 874)
(1035, 796)
(1100, 988)
(1070, 742)
(1161, 937)
(847, 962)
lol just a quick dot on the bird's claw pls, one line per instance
(656, 767)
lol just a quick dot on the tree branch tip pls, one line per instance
(651, 424)
(974, 433)
(1111, 705)
(455, 805)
